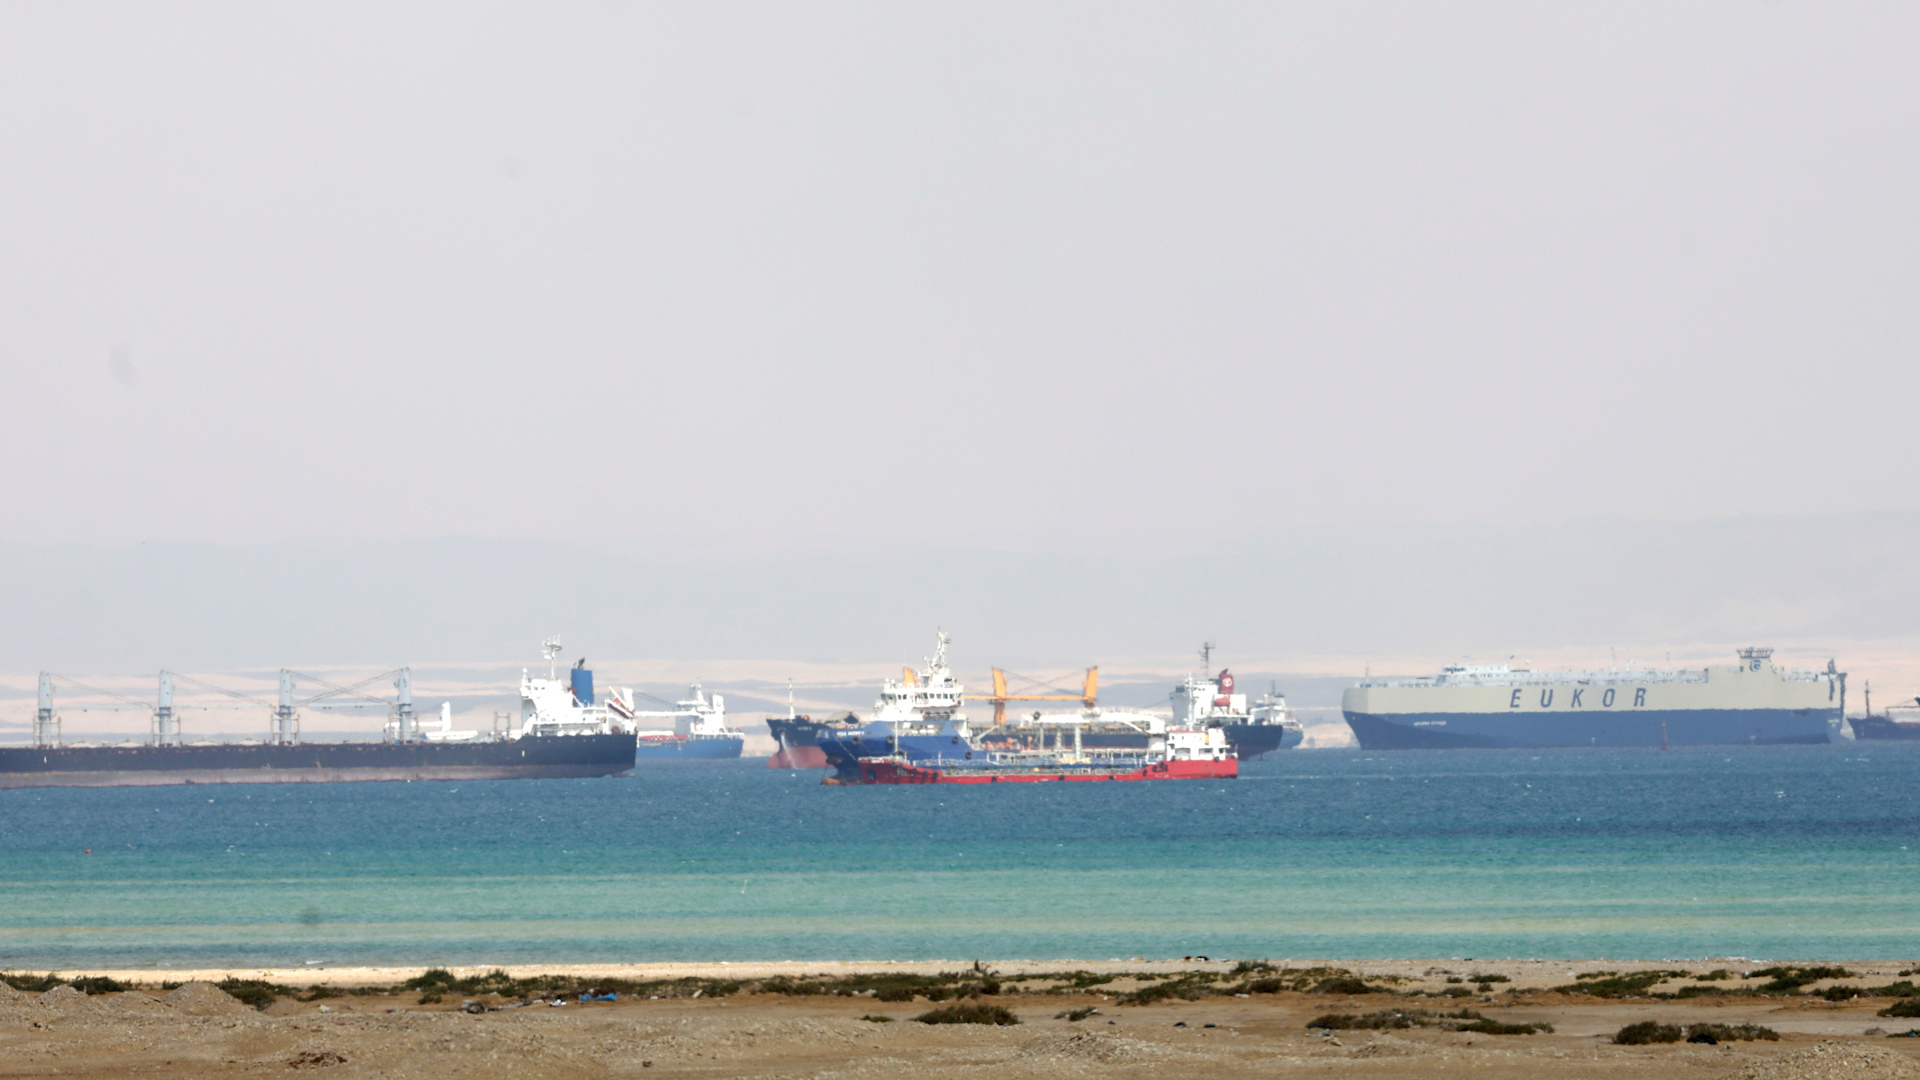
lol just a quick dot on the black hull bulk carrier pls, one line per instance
(560, 735)
(1904, 727)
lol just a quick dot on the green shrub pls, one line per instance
(1384, 1020)
(430, 979)
(878, 1019)
(972, 1013)
(1074, 1016)
(1907, 1006)
(1396, 1019)
(1716, 975)
(1708, 991)
(893, 993)
(1713, 1034)
(1488, 978)
(1341, 984)
(32, 984)
(99, 984)
(1646, 1032)
(1496, 1027)
(1788, 980)
(1184, 990)
(254, 992)
(1612, 985)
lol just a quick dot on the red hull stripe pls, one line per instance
(893, 772)
(798, 757)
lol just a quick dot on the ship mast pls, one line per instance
(166, 730)
(46, 727)
(286, 725)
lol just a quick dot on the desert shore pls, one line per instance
(1074, 1020)
(1522, 973)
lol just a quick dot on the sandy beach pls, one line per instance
(1075, 1018)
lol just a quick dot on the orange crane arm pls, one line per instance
(1088, 696)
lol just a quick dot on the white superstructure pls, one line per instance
(695, 716)
(550, 706)
(926, 701)
(1204, 702)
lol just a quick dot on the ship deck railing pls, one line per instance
(1567, 678)
(1090, 759)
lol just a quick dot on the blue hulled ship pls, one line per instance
(918, 716)
(700, 730)
(1752, 702)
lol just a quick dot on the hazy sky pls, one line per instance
(1133, 276)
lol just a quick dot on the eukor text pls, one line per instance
(1574, 699)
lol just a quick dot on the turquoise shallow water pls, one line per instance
(1787, 852)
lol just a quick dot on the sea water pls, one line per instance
(1762, 852)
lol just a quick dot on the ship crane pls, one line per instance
(1088, 696)
(285, 722)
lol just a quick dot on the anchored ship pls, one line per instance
(1886, 725)
(917, 715)
(1753, 702)
(796, 737)
(700, 728)
(1252, 731)
(1268, 725)
(918, 735)
(1177, 754)
(559, 736)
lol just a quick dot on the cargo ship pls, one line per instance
(1177, 754)
(1252, 730)
(1751, 702)
(559, 736)
(700, 730)
(796, 737)
(1886, 725)
(917, 715)
(1266, 726)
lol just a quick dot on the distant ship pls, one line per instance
(1171, 754)
(1886, 725)
(1250, 729)
(1752, 702)
(559, 736)
(917, 715)
(700, 728)
(796, 737)
(1266, 726)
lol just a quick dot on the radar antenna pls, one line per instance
(550, 649)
